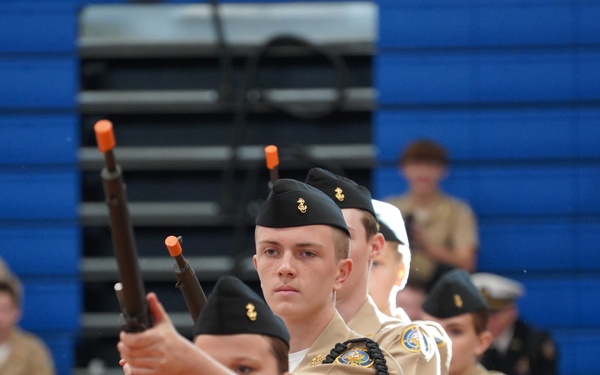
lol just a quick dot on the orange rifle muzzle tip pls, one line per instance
(105, 137)
(173, 246)
(272, 156)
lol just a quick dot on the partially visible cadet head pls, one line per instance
(457, 305)
(390, 269)
(302, 246)
(239, 330)
(501, 294)
(356, 204)
(423, 151)
(423, 163)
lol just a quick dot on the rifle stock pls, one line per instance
(130, 291)
(187, 282)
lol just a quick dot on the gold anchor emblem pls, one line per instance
(339, 194)
(251, 311)
(301, 206)
(458, 301)
(317, 360)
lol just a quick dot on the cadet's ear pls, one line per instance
(345, 267)
(377, 245)
(485, 340)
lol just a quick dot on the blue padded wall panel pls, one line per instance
(528, 246)
(551, 302)
(487, 77)
(589, 243)
(40, 83)
(406, 24)
(578, 351)
(476, 135)
(51, 305)
(503, 191)
(61, 345)
(561, 301)
(38, 26)
(41, 139)
(39, 195)
(41, 250)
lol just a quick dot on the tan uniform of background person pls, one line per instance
(21, 353)
(411, 344)
(390, 273)
(457, 305)
(302, 246)
(442, 229)
(518, 347)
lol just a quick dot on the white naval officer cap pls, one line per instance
(499, 291)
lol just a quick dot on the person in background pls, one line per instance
(236, 333)
(458, 306)
(21, 352)
(518, 348)
(411, 298)
(389, 276)
(442, 229)
(390, 269)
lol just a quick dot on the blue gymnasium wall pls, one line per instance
(39, 178)
(512, 90)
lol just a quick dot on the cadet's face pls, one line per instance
(384, 275)
(423, 177)
(242, 354)
(360, 251)
(9, 315)
(467, 345)
(297, 269)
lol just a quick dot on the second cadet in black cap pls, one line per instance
(459, 307)
(238, 329)
(410, 343)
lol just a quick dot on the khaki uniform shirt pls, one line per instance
(28, 356)
(337, 332)
(412, 344)
(451, 223)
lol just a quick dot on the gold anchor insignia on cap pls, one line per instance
(251, 312)
(339, 194)
(458, 301)
(301, 206)
(317, 360)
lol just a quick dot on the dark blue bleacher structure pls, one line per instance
(512, 90)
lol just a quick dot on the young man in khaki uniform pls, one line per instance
(21, 353)
(442, 229)
(302, 245)
(457, 305)
(390, 273)
(412, 344)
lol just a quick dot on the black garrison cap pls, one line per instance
(344, 192)
(453, 294)
(294, 204)
(233, 308)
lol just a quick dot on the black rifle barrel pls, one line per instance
(131, 293)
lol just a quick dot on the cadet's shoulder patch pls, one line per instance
(413, 340)
(355, 357)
